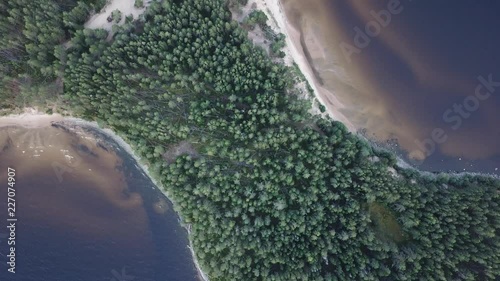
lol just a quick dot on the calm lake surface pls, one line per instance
(408, 73)
(86, 211)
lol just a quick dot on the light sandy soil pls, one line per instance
(30, 118)
(295, 53)
(100, 20)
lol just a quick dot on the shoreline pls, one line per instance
(31, 118)
(43, 120)
(279, 22)
(295, 54)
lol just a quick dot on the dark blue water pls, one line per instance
(78, 230)
(416, 74)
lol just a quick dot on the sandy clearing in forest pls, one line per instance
(295, 53)
(100, 20)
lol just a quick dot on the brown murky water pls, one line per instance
(410, 71)
(82, 201)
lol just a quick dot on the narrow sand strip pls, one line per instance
(295, 53)
(30, 118)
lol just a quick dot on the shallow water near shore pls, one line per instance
(86, 211)
(411, 84)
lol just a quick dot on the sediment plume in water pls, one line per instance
(86, 210)
(405, 81)
(60, 174)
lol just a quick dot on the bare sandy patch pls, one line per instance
(126, 7)
(30, 118)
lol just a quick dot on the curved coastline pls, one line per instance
(32, 118)
(295, 54)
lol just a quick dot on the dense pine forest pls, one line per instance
(271, 191)
(32, 47)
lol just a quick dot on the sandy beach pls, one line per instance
(30, 118)
(295, 53)
(280, 24)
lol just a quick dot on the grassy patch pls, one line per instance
(385, 224)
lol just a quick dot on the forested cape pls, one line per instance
(271, 192)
